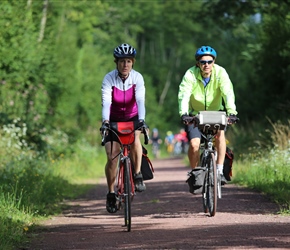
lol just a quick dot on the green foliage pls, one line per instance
(53, 59)
(14, 221)
(266, 169)
(33, 186)
(268, 175)
(54, 81)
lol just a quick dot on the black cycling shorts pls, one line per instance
(192, 132)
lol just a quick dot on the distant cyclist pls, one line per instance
(169, 141)
(156, 141)
(204, 87)
(123, 99)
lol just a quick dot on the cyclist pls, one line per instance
(123, 99)
(206, 86)
(169, 141)
(155, 140)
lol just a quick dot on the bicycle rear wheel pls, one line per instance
(211, 187)
(127, 194)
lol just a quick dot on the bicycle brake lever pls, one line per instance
(146, 137)
(103, 137)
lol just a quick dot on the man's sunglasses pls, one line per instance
(203, 62)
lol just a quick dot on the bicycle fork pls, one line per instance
(120, 184)
(219, 184)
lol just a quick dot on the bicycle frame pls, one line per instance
(212, 184)
(123, 158)
(125, 189)
(209, 123)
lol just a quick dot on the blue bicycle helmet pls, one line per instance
(155, 130)
(205, 51)
(124, 50)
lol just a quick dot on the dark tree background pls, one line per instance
(54, 55)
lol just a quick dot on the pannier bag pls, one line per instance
(147, 169)
(228, 164)
(196, 180)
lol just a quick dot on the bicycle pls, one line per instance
(125, 189)
(209, 123)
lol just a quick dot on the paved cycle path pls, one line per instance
(167, 216)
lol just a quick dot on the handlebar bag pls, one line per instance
(125, 131)
(212, 120)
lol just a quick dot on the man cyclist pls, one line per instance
(205, 86)
(123, 99)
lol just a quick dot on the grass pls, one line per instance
(32, 187)
(265, 167)
(268, 174)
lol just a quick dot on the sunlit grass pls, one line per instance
(266, 169)
(15, 220)
(33, 185)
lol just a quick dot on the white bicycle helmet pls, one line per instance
(124, 50)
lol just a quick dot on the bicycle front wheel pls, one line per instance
(211, 185)
(127, 194)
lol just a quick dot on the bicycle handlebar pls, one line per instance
(146, 136)
(104, 132)
(143, 130)
(187, 120)
(233, 119)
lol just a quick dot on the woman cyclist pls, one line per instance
(123, 99)
(204, 87)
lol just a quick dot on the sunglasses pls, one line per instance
(203, 62)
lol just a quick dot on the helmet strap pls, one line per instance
(123, 77)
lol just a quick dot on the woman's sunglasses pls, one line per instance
(203, 62)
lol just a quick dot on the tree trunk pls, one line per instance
(43, 21)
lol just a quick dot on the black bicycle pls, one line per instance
(209, 123)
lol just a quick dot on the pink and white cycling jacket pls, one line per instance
(123, 101)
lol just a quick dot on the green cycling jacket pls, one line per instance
(194, 97)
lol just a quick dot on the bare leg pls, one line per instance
(136, 152)
(220, 143)
(111, 165)
(193, 152)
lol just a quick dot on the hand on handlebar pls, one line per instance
(145, 130)
(189, 119)
(104, 131)
(233, 119)
(104, 127)
(142, 126)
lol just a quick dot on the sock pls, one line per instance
(220, 168)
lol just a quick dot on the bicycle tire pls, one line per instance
(204, 196)
(204, 189)
(127, 194)
(211, 187)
